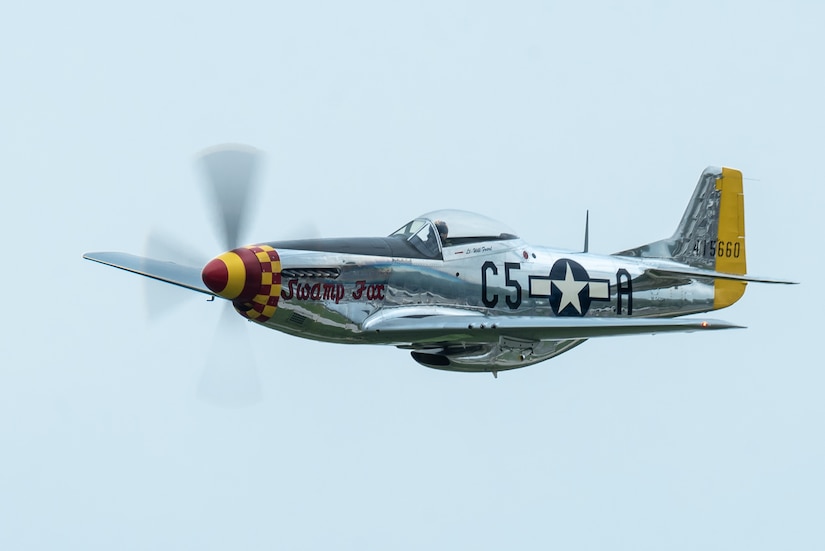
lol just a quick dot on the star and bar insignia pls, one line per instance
(569, 288)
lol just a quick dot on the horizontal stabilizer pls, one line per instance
(699, 272)
(168, 272)
(479, 328)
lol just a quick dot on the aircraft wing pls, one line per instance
(169, 272)
(478, 328)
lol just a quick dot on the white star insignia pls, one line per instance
(570, 289)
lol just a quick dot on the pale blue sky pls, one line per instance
(371, 113)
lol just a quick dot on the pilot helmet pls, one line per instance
(441, 226)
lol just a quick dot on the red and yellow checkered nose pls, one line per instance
(248, 276)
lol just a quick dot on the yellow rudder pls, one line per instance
(730, 243)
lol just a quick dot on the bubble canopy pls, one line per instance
(462, 223)
(458, 226)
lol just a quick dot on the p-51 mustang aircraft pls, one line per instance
(461, 291)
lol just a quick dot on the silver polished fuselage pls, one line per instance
(507, 277)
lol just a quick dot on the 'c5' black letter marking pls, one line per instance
(512, 303)
(488, 302)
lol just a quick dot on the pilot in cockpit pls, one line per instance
(441, 226)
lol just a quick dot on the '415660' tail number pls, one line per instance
(720, 249)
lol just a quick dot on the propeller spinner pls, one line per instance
(248, 276)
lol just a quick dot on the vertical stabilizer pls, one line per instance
(711, 234)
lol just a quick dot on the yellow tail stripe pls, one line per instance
(730, 244)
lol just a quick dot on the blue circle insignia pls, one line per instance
(570, 289)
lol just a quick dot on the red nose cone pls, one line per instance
(215, 275)
(235, 275)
